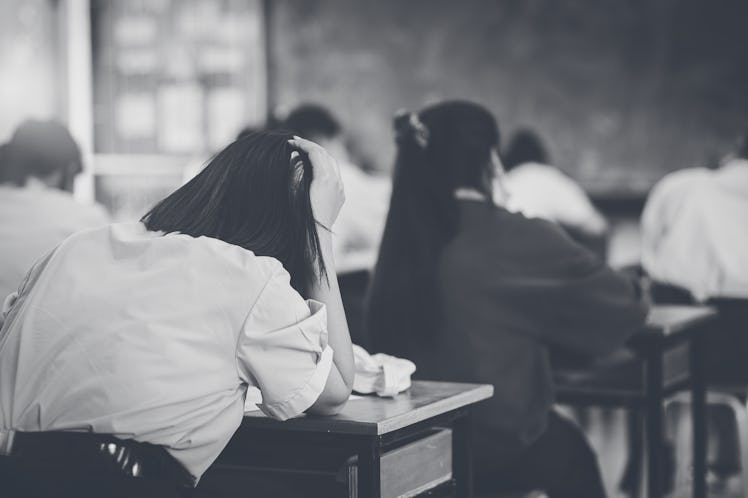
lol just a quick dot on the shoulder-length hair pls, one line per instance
(439, 149)
(251, 194)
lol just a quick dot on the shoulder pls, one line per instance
(512, 234)
(680, 181)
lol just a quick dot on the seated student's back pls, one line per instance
(153, 331)
(36, 212)
(473, 292)
(693, 229)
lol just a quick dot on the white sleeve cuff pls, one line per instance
(306, 395)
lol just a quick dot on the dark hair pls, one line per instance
(251, 195)
(312, 121)
(525, 146)
(442, 148)
(246, 131)
(41, 148)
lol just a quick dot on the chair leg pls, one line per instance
(739, 411)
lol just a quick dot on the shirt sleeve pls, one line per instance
(571, 298)
(283, 349)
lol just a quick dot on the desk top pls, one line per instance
(671, 324)
(671, 319)
(372, 415)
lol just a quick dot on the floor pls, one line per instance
(606, 430)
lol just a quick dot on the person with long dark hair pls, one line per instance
(131, 347)
(472, 292)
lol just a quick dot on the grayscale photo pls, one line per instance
(373, 248)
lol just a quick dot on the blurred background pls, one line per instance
(623, 92)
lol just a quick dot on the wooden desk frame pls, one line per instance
(651, 346)
(367, 429)
(369, 448)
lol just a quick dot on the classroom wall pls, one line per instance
(623, 91)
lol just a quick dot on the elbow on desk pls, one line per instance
(327, 407)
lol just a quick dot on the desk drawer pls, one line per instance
(411, 468)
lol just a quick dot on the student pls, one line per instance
(472, 292)
(695, 250)
(145, 336)
(359, 227)
(537, 189)
(37, 210)
(694, 229)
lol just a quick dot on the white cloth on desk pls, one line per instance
(695, 231)
(156, 338)
(542, 191)
(380, 373)
(358, 229)
(33, 220)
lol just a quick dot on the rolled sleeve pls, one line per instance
(283, 349)
(304, 397)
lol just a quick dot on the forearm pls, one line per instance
(327, 291)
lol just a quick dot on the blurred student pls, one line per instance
(473, 292)
(359, 227)
(137, 338)
(695, 250)
(694, 232)
(537, 189)
(37, 209)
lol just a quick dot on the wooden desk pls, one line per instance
(366, 428)
(668, 350)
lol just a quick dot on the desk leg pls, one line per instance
(698, 416)
(462, 455)
(654, 424)
(369, 471)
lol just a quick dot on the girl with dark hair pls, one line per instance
(472, 292)
(148, 334)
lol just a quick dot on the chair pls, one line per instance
(726, 370)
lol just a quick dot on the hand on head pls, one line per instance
(326, 190)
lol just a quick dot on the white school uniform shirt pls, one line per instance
(33, 220)
(542, 191)
(360, 224)
(695, 231)
(156, 338)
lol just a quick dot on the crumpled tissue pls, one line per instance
(381, 373)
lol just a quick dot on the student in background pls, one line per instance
(473, 292)
(361, 222)
(537, 189)
(695, 250)
(37, 210)
(694, 232)
(144, 337)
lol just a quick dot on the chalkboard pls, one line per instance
(623, 91)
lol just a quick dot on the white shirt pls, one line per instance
(33, 220)
(156, 338)
(360, 224)
(542, 191)
(695, 231)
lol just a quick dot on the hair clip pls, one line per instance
(420, 131)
